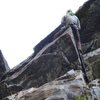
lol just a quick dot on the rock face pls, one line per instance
(46, 40)
(60, 89)
(70, 86)
(3, 65)
(50, 63)
(90, 14)
(43, 76)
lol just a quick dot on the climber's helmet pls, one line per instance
(70, 12)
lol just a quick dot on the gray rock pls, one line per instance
(50, 63)
(93, 61)
(95, 88)
(63, 44)
(52, 59)
(71, 87)
(6, 89)
(3, 65)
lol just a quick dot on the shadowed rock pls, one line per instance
(3, 65)
(72, 87)
(50, 63)
(89, 15)
(53, 58)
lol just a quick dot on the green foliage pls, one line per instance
(81, 98)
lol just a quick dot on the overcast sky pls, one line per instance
(23, 23)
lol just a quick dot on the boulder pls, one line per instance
(70, 86)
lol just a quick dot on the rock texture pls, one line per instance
(43, 75)
(3, 65)
(89, 15)
(50, 63)
(70, 86)
(62, 88)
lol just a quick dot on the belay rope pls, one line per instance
(80, 58)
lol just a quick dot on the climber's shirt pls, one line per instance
(71, 20)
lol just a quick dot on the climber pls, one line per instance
(70, 20)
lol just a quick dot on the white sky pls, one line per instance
(23, 23)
